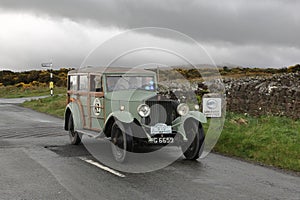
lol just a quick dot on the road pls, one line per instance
(37, 162)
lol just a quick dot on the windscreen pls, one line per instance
(116, 83)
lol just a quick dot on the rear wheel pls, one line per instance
(121, 141)
(195, 134)
(75, 138)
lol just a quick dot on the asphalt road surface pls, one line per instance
(37, 162)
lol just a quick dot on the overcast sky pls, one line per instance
(262, 33)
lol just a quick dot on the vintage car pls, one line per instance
(123, 105)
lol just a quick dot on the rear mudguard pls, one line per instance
(73, 108)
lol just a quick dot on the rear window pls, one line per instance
(73, 83)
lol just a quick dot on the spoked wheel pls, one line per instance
(121, 141)
(75, 138)
(195, 134)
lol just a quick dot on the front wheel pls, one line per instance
(121, 141)
(195, 134)
(74, 135)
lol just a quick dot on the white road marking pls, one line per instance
(112, 171)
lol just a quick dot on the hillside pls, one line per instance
(60, 76)
(34, 76)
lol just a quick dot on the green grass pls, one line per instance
(18, 92)
(54, 105)
(270, 140)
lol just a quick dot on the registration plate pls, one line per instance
(161, 128)
(163, 140)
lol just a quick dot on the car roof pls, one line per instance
(111, 70)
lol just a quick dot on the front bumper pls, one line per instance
(177, 127)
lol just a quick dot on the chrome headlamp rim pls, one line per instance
(183, 109)
(143, 110)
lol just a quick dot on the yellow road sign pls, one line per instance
(51, 85)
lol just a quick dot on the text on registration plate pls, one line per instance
(163, 140)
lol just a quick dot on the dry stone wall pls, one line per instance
(276, 95)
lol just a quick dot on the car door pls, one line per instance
(96, 100)
(82, 96)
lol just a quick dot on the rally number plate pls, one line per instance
(161, 129)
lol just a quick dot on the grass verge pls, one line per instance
(54, 105)
(18, 92)
(269, 140)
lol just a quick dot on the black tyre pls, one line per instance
(195, 134)
(121, 141)
(75, 138)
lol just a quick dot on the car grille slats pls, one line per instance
(161, 112)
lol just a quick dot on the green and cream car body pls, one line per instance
(123, 105)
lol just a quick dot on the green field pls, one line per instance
(269, 140)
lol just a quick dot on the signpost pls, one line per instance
(51, 84)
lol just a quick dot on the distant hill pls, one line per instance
(191, 72)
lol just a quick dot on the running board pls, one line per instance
(92, 134)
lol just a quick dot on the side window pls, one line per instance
(148, 83)
(83, 83)
(73, 83)
(96, 85)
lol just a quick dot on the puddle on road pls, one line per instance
(4, 144)
(69, 150)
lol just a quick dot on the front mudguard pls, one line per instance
(122, 116)
(178, 123)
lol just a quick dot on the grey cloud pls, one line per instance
(237, 22)
(254, 55)
(249, 33)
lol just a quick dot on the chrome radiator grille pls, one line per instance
(161, 112)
